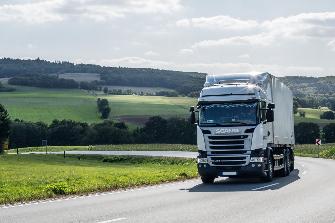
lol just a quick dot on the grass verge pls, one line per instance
(124, 147)
(31, 177)
(326, 151)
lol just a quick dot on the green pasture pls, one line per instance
(37, 104)
(31, 177)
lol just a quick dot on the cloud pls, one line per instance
(186, 51)
(151, 53)
(211, 68)
(35, 12)
(303, 26)
(262, 39)
(135, 62)
(98, 10)
(218, 22)
(277, 70)
(244, 56)
(331, 44)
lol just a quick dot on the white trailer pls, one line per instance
(245, 127)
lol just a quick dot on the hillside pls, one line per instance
(39, 104)
(183, 82)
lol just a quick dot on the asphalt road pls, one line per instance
(307, 195)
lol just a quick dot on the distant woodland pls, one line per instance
(309, 92)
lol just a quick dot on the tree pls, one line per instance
(105, 90)
(103, 108)
(306, 132)
(327, 115)
(295, 105)
(4, 126)
(329, 132)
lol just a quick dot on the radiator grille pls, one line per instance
(228, 150)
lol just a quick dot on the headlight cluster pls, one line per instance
(202, 160)
(256, 159)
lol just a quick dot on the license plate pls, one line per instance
(228, 174)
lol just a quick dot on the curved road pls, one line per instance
(307, 195)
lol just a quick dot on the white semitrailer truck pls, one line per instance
(245, 127)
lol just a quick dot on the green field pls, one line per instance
(312, 115)
(36, 104)
(124, 147)
(31, 177)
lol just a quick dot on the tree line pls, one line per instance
(183, 82)
(68, 132)
(52, 81)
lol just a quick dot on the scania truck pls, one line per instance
(245, 127)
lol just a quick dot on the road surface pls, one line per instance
(307, 195)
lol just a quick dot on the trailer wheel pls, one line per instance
(207, 179)
(292, 160)
(269, 173)
(286, 169)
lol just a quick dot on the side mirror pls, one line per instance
(192, 116)
(271, 106)
(269, 116)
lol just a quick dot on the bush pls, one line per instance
(60, 188)
(328, 115)
(306, 133)
(329, 132)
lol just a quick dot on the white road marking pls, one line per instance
(113, 220)
(259, 188)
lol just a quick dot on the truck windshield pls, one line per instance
(228, 114)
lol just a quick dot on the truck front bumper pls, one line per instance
(256, 169)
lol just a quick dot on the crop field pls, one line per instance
(124, 147)
(37, 104)
(32, 177)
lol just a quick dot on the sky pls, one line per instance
(286, 37)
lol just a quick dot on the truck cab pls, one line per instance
(237, 129)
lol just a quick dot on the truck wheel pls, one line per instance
(269, 173)
(292, 161)
(285, 170)
(288, 163)
(207, 179)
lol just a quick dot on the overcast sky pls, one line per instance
(286, 37)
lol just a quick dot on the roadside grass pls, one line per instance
(308, 150)
(123, 147)
(31, 177)
(326, 151)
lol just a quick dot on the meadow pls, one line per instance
(37, 104)
(31, 177)
(312, 115)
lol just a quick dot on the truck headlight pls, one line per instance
(202, 160)
(256, 159)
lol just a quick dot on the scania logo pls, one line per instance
(226, 131)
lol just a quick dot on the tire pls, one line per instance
(292, 161)
(207, 179)
(286, 170)
(270, 172)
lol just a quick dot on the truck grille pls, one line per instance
(228, 150)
